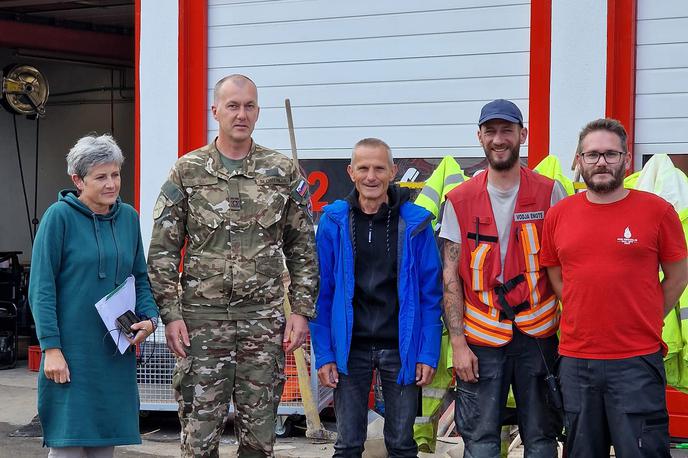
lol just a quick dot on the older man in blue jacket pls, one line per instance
(379, 302)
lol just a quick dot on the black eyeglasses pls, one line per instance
(610, 157)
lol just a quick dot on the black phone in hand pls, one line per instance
(125, 320)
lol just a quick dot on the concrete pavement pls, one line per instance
(159, 431)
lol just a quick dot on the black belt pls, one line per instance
(511, 312)
(507, 310)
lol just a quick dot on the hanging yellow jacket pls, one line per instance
(551, 168)
(446, 176)
(681, 313)
(432, 399)
(660, 177)
(631, 180)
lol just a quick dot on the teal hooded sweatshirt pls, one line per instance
(79, 257)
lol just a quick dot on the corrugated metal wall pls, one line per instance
(662, 77)
(412, 73)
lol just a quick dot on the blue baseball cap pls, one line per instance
(501, 109)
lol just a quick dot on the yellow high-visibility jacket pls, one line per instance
(551, 168)
(446, 176)
(659, 176)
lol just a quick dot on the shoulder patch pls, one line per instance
(173, 192)
(300, 193)
(159, 206)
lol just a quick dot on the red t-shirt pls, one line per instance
(612, 302)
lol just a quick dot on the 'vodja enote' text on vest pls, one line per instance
(525, 296)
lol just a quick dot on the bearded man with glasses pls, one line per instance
(603, 250)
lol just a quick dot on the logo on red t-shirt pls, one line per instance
(627, 238)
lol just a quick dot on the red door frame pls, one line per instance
(539, 84)
(621, 53)
(620, 84)
(193, 74)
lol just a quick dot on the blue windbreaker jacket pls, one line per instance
(418, 284)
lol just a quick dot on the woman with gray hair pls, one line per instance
(88, 243)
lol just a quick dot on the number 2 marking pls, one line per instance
(323, 182)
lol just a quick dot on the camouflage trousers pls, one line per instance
(241, 360)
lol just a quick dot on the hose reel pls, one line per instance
(24, 90)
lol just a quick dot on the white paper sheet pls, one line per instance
(113, 305)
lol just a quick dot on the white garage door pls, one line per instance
(662, 78)
(412, 73)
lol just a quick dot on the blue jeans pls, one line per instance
(351, 404)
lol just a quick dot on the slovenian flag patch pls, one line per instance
(302, 188)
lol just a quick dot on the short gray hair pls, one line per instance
(90, 151)
(373, 142)
(236, 78)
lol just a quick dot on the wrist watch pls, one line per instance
(154, 322)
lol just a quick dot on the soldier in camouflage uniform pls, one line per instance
(243, 212)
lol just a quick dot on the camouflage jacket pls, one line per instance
(239, 229)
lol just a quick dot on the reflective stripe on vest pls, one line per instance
(478, 257)
(485, 327)
(683, 313)
(487, 297)
(435, 393)
(434, 197)
(531, 247)
(539, 320)
(455, 178)
(423, 420)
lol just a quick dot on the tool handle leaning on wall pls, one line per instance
(314, 429)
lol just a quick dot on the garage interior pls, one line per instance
(83, 54)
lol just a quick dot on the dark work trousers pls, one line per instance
(481, 406)
(619, 402)
(351, 404)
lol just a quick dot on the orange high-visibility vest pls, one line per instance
(525, 297)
